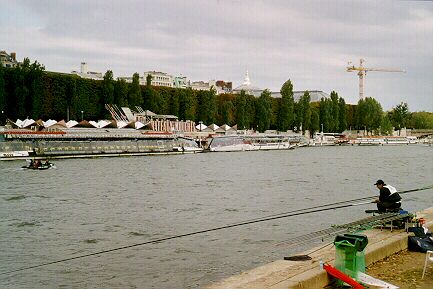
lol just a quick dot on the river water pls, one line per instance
(90, 205)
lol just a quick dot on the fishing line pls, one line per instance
(248, 222)
(341, 202)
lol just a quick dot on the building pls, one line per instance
(248, 87)
(219, 86)
(128, 79)
(7, 60)
(160, 78)
(85, 73)
(315, 95)
(225, 87)
(180, 82)
(200, 85)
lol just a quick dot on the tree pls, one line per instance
(421, 120)
(369, 114)
(134, 95)
(342, 122)
(386, 125)
(304, 111)
(325, 114)
(315, 122)
(400, 115)
(35, 79)
(335, 112)
(286, 111)
(207, 107)
(108, 88)
(241, 110)
(174, 101)
(121, 93)
(187, 105)
(264, 111)
(227, 112)
(3, 96)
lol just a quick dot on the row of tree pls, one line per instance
(29, 91)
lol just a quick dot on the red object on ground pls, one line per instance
(341, 276)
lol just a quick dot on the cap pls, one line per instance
(379, 182)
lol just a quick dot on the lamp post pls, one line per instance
(82, 115)
(322, 127)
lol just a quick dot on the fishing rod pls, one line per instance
(342, 202)
(247, 222)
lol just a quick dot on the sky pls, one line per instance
(308, 42)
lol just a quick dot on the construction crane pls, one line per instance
(362, 71)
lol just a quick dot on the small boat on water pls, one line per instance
(232, 143)
(38, 165)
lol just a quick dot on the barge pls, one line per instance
(89, 142)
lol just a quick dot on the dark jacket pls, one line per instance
(389, 194)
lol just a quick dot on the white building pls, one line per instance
(248, 87)
(85, 73)
(180, 82)
(7, 60)
(219, 86)
(159, 78)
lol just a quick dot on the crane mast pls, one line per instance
(362, 71)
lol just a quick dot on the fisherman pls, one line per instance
(389, 199)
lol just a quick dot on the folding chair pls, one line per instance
(428, 258)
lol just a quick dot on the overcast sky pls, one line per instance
(309, 42)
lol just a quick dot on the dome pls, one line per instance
(248, 87)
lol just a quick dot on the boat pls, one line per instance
(90, 142)
(264, 142)
(385, 140)
(39, 165)
(321, 139)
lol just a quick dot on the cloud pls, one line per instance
(309, 42)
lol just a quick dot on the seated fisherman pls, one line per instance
(389, 199)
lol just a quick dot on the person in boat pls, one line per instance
(389, 199)
(37, 164)
(47, 163)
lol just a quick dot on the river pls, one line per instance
(89, 205)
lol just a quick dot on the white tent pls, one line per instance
(49, 123)
(71, 123)
(100, 124)
(201, 127)
(24, 123)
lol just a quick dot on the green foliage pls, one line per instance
(264, 111)
(207, 106)
(399, 115)
(29, 90)
(226, 109)
(334, 113)
(325, 114)
(369, 114)
(286, 110)
(241, 110)
(315, 121)
(121, 93)
(421, 120)
(386, 125)
(3, 97)
(107, 92)
(187, 105)
(134, 94)
(342, 116)
(304, 112)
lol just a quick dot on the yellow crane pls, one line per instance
(362, 71)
